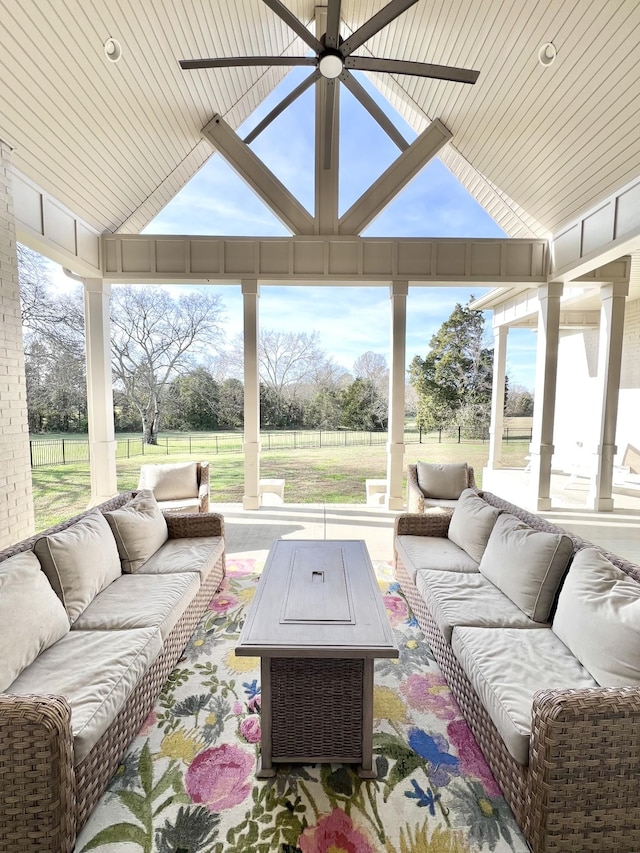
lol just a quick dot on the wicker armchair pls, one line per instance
(416, 500)
(159, 478)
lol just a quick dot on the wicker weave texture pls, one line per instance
(317, 708)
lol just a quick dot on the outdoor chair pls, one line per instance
(437, 484)
(178, 486)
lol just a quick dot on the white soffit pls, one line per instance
(114, 142)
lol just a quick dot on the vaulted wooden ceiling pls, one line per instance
(114, 142)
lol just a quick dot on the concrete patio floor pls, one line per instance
(251, 533)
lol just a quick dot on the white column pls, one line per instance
(251, 447)
(541, 448)
(102, 443)
(609, 364)
(395, 447)
(496, 429)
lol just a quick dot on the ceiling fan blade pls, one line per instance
(330, 109)
(291, 21)
(418, 69)
(281, 107)
(370, 105)
(333, 24)
(235, 61)
(387, 14)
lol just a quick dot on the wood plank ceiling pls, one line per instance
(115, 141)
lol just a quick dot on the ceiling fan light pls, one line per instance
(331, 65)
(547, 54)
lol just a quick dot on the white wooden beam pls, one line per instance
(395, 178)
(258, 176)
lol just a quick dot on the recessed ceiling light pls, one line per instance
(112, 49)
(547, 54)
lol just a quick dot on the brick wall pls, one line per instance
(16, 501)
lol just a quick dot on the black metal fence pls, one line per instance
(67, 451)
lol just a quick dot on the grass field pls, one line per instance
(325, 475)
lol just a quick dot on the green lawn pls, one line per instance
(325, 475)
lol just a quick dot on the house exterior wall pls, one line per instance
(16, 500)
(576, 423)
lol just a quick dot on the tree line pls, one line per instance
(174, 369)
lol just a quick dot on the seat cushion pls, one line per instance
(188, 504)
(598, 618)
(442, 480)
(471, 524)
(506, 666)
(468, 599)
(433, 553)
(189, 554)
(80, 561)
(170, 482)
(96, 672)
(32, 616)
(139, 529)
(440, 502)
(526, 564)
(140, 601)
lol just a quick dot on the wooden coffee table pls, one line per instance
(317, 622)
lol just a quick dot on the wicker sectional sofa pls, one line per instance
(97, 611)
(550, 685)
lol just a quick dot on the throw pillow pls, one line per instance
(80, 561)
(443, 480)
(598, 618)
(471, 524)
(139, 529)
(526, 564)
(32, 617)
(170, 482)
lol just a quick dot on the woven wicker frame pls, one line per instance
(44, 799)
(580, 789)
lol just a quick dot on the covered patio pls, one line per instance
(100, 127)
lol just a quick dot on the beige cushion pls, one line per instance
(506, 666)
(433, 553)
(32, 617)
(140, 601)
(139, 529)
(188, 554)
(170, 482)
(80, 561)
(442, 480)
(527, 565)
(471, 524)
(455, 599)
(598, 618)
(96, 671)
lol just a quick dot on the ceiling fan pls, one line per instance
(333, 60)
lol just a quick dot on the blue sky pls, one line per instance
(349, 320)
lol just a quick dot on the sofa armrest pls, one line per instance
(415, 496)
(585, 765)
(432, 523)
(184, 524)
(37, 780)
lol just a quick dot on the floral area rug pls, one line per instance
(187, 783)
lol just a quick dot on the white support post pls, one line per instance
(541, 447)
(251, 447)
(609, 365)
(395, 448)
(102, 442)
(496, 429)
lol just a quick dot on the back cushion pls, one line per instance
(32, 617)
(442, 480)
(527, 565)
(170, 482)
(471, 524)
(80, 561)
(598, 618)
(139, 529)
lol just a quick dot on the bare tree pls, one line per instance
(156, 337)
